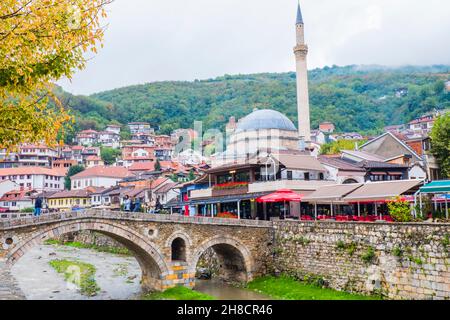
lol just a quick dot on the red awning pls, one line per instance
(281, 196)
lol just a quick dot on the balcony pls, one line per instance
(230, 189)
(200, 194)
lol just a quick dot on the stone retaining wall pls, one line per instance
(400, 261)
(91, 238)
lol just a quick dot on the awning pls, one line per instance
(383, 190)
(379, 173)
(441, 186)
(332, 193)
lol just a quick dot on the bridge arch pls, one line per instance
(149, 256)
(236, 262)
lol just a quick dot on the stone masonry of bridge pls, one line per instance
(243, 247)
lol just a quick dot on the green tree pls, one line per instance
(191, 176)
(440, 143)
(73, 170)
(125, 133)
(336, 147)
(109, 155)
(157, 165)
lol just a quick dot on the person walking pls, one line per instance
(137, 205)
(38, 206)
(127, 204)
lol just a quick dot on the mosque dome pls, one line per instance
(265, 119)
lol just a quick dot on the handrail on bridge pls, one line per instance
(16, 220)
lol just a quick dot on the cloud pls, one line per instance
(156, 40)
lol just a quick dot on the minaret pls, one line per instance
(301, 52)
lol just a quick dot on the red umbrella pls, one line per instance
(282, 195)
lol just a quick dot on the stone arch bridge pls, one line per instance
(166, 247)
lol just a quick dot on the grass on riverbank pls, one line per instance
(106, 249)
(177, 293)
(78, 273)
(287, 288)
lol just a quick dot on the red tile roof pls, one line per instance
(142, 166)
(93, 158)
(30, 171)
(137, 158)
(103, 171)
(16, 195)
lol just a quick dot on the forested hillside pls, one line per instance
(355, 98)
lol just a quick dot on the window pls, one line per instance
(242, 177)
(289, 175)
(307, 176)
(321, 176)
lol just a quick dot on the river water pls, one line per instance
(117, 276)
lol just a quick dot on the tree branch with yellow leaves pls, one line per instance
(42, 41)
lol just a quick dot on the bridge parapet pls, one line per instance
(6, 224)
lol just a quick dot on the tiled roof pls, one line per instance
(300, 162)
(30, 171)
(103, 171)
(339, 163)
(137, 158)
(364, 155)
(85, 193)
(166, 188)
(142, 166)
(16, 195)
(158, 182)
(379, 164)
(93, 158)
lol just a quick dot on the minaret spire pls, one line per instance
(301, 53)
(299, 15)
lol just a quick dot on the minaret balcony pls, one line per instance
(301, 49)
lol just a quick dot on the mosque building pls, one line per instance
(268, 129)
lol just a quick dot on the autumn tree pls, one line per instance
(42, 41)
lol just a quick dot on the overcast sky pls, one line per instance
(156, 40)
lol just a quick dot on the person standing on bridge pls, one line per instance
(137, 205)
(127, 204)
(38, 206)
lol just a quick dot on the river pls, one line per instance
(117, 276)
